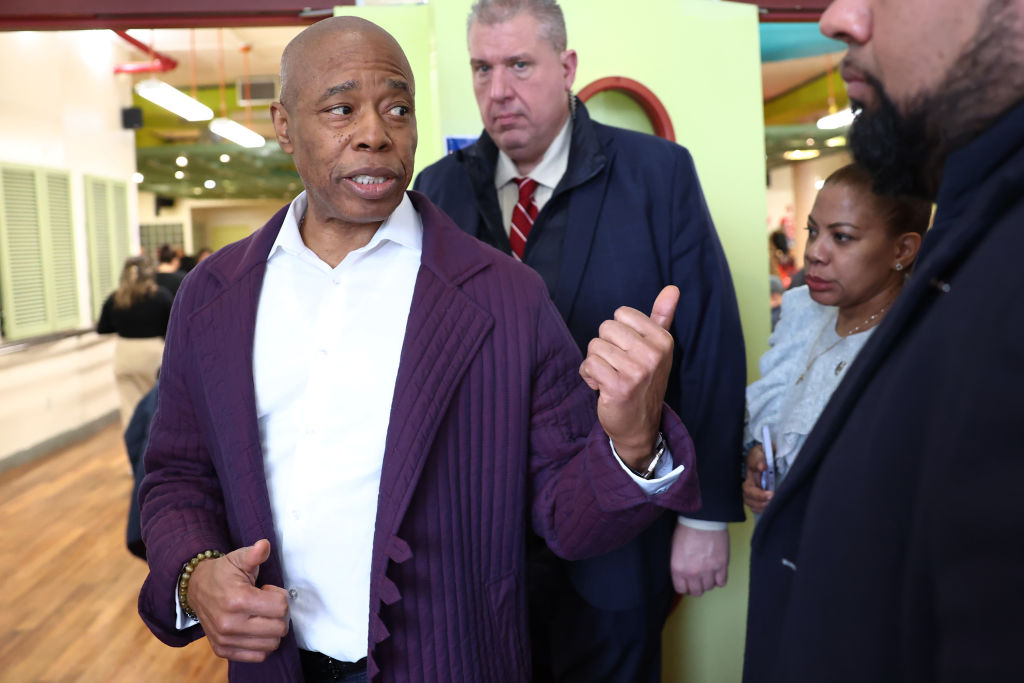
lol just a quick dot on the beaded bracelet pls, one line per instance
(186, 575)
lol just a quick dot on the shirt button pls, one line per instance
(292, 593)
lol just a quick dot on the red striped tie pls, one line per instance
(522, 216)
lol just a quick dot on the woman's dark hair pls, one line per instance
(780, 241)
(166, 253)
(900, 213)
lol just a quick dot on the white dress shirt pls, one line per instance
(325, 359)
(547, 173)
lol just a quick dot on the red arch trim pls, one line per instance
(642, 95)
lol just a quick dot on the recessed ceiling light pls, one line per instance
(179, 174)
(225, 158)
(138, 177)
(197, 190)
(182, 161)
(209, 184)
(801, 154)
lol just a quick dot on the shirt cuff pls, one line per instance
(703, 524)
(182, 621)
(664, 474)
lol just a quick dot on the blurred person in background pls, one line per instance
(168, 269)
(137, 312)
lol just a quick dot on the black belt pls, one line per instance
(316, 665)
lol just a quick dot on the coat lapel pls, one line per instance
(223, 333)
(446, 329)
(481, 159)
(586, 161)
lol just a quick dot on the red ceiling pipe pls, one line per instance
(158, 64)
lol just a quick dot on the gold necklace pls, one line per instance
(862, 326)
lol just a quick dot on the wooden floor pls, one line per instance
(69, 586)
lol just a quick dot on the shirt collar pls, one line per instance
(551, 167)
(403, 227)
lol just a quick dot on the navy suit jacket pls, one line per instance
(894, 548)
(627, 219)
(491, 427)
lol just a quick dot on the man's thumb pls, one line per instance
(665, 307)
(250, 558)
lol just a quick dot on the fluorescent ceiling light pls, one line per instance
(801, 154)
(838, 141)
(173, 100)
(236, 132)
(839, 119)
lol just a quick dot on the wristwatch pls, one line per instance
(659, 450)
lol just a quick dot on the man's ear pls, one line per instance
(279, 115)
(569, 60)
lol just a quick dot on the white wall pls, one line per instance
(60, 107)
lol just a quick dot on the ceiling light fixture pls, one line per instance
(179, 175)
(835, 118)
(225, 158)
(235, 132)
(837, 141)
(209, 184)
(226, 128)
(173, 100)
(839, 119)
(801, 154)
(181, 161)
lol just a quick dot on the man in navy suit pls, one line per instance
(893, 550)
(618, 216)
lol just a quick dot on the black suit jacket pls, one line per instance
(627, 219)
(894, 548)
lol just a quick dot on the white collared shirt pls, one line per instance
(325, 359)
(548, 174)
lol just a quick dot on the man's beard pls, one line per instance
(905, 151)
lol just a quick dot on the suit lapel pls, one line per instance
(481, 160)
(446, 329)
(587, 160)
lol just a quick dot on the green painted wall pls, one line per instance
(702, 59)
(223, 235)
(618, 109)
